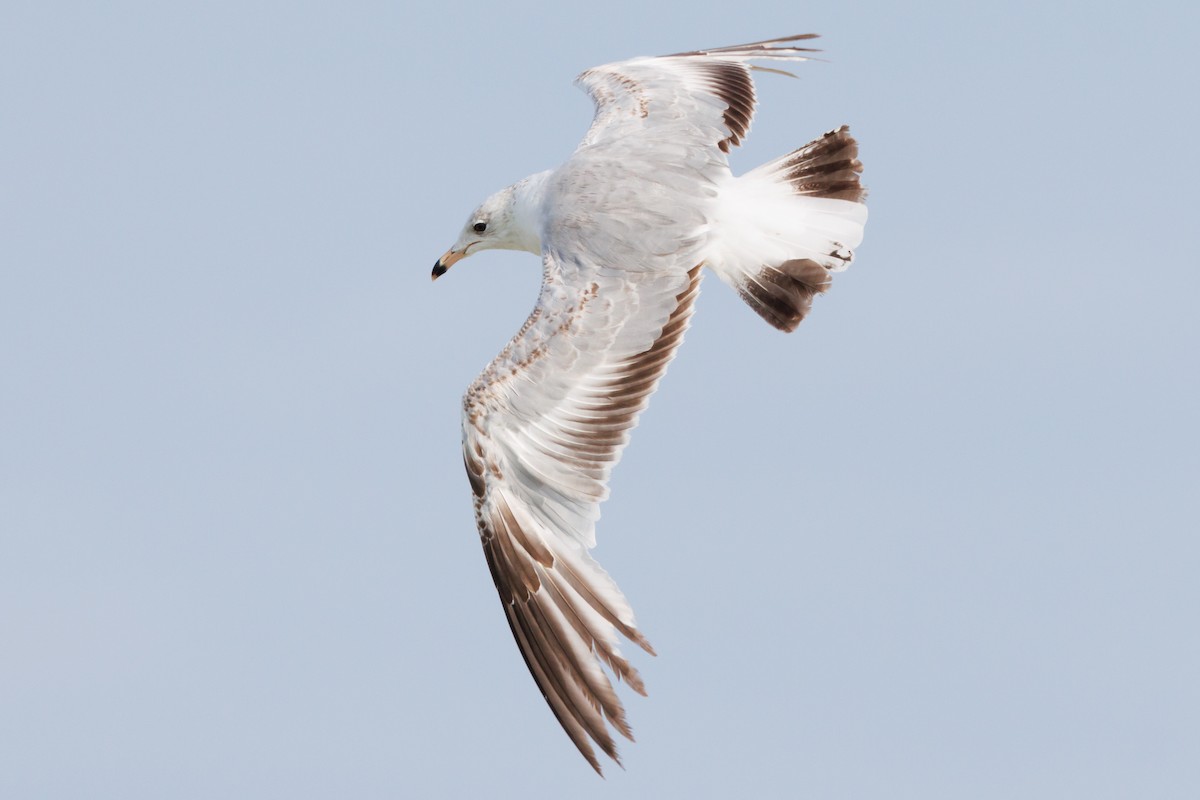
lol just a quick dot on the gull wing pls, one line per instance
(704, 97)
(543, 426)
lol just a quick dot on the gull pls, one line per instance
(623, 229)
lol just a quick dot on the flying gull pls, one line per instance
(623, 229)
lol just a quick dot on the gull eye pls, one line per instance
(480, 227)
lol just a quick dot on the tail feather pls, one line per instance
(783, 228)
(782, 295)
(828, 167)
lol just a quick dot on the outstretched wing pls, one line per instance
(704, 97)
(543, 427)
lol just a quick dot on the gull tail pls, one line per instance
(783, 229)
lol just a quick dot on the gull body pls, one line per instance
(624, 229)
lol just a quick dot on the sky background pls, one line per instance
(941, 542)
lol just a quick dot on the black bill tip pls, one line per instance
(439, 269)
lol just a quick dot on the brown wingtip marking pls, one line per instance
(537, 660)
(576, 713)
(592, 693)
(783, 294)
(565, 597)
(731, 82)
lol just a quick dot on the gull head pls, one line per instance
(507, 220)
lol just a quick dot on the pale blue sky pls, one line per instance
(941, 542)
